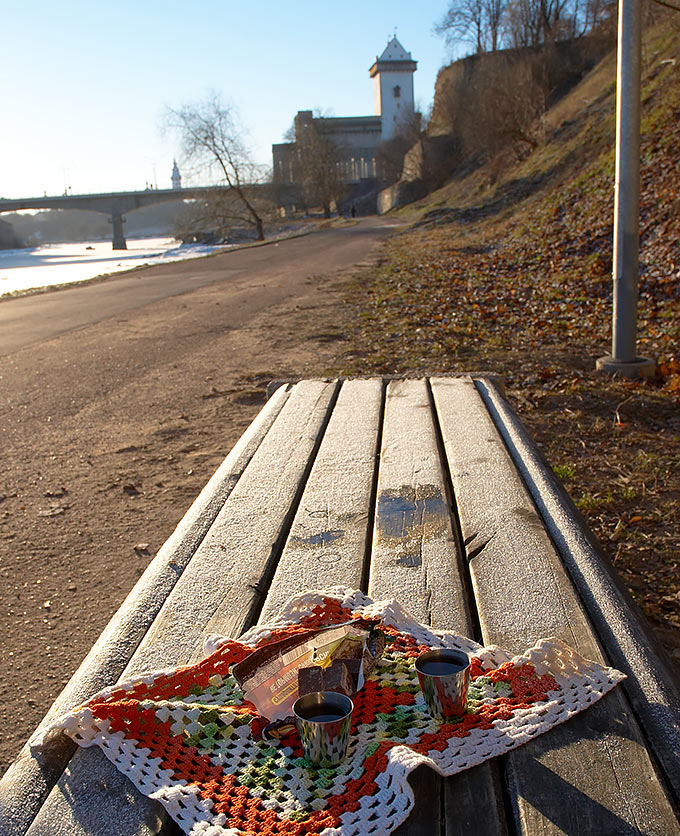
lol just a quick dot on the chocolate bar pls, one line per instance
(342, 675)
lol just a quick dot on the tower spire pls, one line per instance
(176, 176)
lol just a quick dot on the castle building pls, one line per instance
(356, 138)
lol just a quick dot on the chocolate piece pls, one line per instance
(310, 680)
(351, 647)
(337, 678)
(353, 667)
(341, 675)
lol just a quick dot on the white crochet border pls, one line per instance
(582, 683)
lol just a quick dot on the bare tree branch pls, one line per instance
(212, 140)
(668, 5)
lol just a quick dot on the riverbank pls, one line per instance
(32, 270)
(52, 266)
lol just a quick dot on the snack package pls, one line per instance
(337, 658)
(269, 676)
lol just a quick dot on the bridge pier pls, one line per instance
(117, 221)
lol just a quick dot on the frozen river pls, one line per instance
(54, 264)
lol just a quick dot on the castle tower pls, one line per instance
(392, 76)
(176, 176)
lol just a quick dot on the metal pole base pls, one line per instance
(639, 367)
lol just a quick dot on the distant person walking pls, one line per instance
(354, 212)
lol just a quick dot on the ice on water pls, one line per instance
(53, 264)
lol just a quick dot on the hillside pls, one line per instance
(508, 268)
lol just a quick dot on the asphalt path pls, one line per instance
(265, 274)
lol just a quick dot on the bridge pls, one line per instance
(114, 204)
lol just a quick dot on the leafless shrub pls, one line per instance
(391, 154)
(222, 216)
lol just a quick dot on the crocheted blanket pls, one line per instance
(185, 736)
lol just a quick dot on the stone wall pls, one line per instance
(426, 167)
(399, 194)
(545, 73)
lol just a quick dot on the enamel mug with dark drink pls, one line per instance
(323, 719)
(444, 676)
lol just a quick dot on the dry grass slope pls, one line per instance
(509, 269)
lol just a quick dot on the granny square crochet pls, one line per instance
(187, 738)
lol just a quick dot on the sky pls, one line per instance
(87, 85)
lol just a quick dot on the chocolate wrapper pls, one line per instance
(269, 676)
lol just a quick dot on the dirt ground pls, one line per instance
(109, 433)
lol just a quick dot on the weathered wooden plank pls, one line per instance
(413, 551)
(652, 685)
(29, 779)
(220, 590)
(415, 559)
(231, 569)
(327, 543)
(593, 774)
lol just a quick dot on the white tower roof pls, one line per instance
(394, 51)
(394, 59)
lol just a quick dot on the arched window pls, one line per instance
(397, 91)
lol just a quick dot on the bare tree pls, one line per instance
(477, 22)
(391, 153)
(522, 23)
(489, 25)
(530, 23)
(220, 215)
(317, 163)
(512, 105)
(212, 140)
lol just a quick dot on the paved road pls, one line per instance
(276, 268)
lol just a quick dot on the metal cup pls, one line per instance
(323, 719)
(444, 676)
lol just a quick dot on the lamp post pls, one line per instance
(624, 359)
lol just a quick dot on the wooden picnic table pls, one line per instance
(429, 491)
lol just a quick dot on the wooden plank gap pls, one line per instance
(592, 774)
(462, 563)
(413, 555)
(412, 523)
(326, 545)
(366, 573)
(501, 780)
(652, 686)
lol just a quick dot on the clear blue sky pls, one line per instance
(86, 83)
